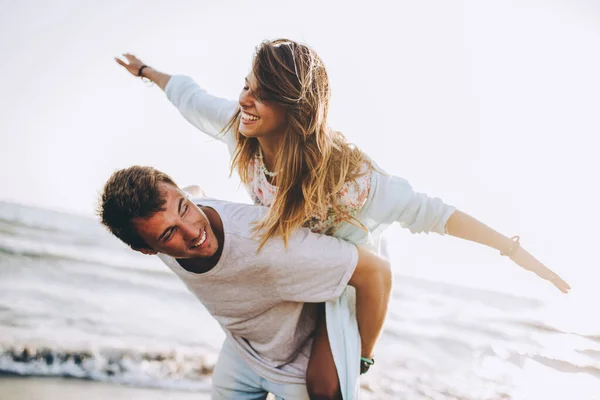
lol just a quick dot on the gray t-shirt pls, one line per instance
(265, 302)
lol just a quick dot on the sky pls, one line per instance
(490, 105)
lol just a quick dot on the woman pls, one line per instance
(291, 161)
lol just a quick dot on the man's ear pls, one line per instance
(145, 250)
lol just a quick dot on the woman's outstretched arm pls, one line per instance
(464, 226)
(395, 200)
(208, 113)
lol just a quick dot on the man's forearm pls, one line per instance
(464, 226)
(371, 308)
(159, 78)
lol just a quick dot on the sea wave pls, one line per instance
(159, 369)
(120, 258)
(21, 215)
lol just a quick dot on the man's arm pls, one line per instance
(133, 66)
(372, 280)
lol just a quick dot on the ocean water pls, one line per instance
(75, 302)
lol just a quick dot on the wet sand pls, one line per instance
(15, 388)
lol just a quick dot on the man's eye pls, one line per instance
(185, 209)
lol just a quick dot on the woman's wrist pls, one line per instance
(146, 72)
(159, 78)
(511, 246)
(141, 71)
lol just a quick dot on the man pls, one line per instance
(265, 301)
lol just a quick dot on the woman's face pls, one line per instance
(259, 119)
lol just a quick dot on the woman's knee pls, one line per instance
(323, 387)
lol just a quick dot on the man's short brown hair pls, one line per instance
(131, 193)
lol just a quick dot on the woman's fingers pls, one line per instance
(528, 262)
(131, 58)
(561, 284)
(556, 280)
(121, 62)
(132, 64)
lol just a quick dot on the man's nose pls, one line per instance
(189, 232)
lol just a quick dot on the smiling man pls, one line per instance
(264, 300)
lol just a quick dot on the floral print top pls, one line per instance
(351, 198)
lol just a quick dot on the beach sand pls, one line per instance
(15, 388)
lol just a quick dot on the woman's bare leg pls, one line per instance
(322, 380)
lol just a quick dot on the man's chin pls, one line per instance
(187, 255)
(203, 254)
(182, 256)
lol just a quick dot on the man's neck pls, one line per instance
(200, 265)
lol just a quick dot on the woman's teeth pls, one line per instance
(249, 117)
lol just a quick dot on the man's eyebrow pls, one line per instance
(180, 204)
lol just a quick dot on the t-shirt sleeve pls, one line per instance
(313, 269)
(206, 112)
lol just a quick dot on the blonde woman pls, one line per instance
(309, 175)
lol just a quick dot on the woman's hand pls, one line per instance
(529, 262)
(133, 64)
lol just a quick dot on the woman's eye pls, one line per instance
(246, 88)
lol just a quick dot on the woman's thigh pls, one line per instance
(322, 379)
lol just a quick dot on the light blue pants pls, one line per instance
(234, 379)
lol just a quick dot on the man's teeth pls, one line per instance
(249, 117)
(202, 239)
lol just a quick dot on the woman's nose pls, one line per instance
(245, 99)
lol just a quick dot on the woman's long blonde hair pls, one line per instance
(314, 161)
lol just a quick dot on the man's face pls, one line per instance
(181, 230)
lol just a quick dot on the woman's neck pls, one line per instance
(270, 148)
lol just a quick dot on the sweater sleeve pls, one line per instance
(424, 214)
(208, 113)
(392, 199)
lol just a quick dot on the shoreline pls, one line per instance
(41, 388)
